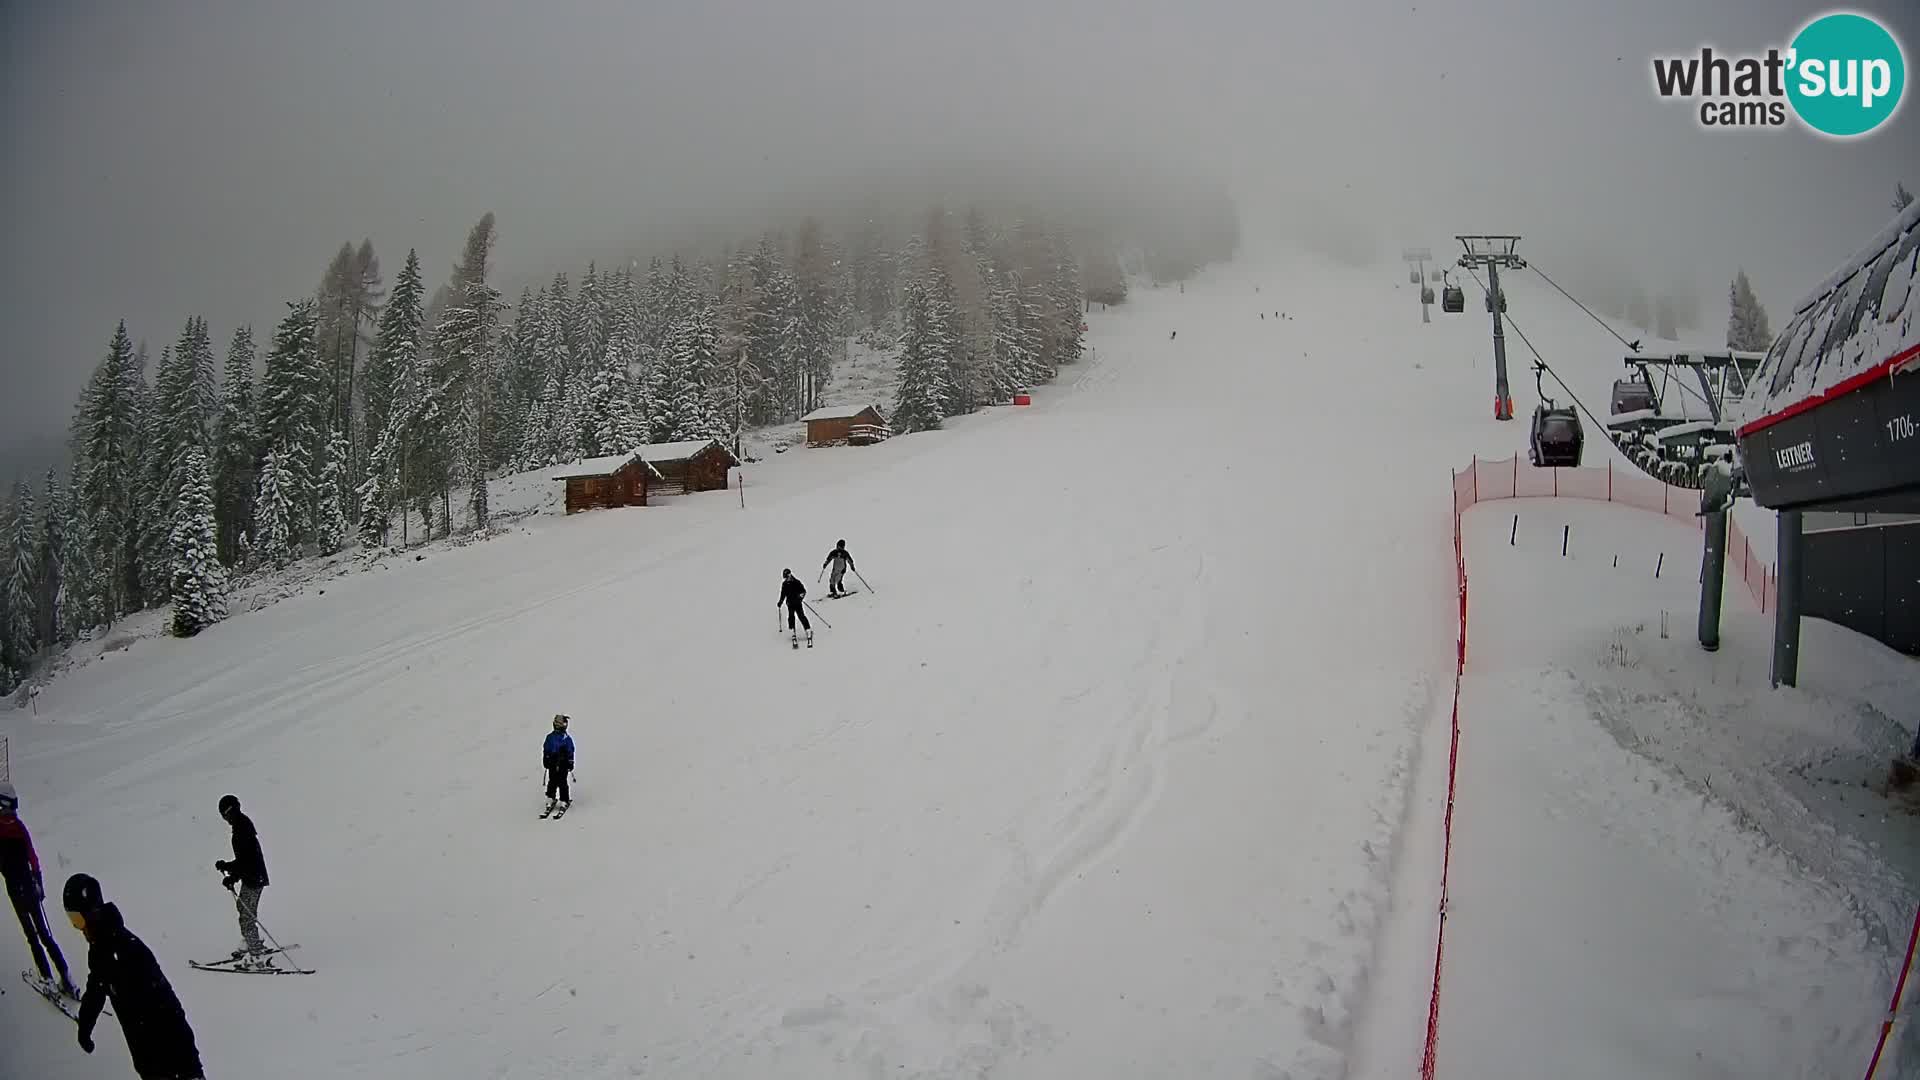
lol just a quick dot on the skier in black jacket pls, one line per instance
(793, 593)
(247, 869)
(121, 969)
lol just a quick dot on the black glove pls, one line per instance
(227, 882)
(221, 865)
(86, 1040)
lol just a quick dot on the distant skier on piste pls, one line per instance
(248, 870)
(20, 866)
(121, 969)
(556, 756)
(842, 561)
(793, 594)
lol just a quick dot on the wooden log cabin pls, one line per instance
(606, 482)
(853, 425)
(691, 465)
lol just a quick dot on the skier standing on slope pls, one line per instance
(842, 561)
(556, 754)
(247, 869)
(121, 969)
(793, 593)
(20, 866)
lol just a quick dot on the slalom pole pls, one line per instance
(816, 613)
(863, 580)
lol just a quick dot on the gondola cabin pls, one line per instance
(1453, 300)
(1631, 395)
(1556, 439)
(1413, 277)
(1426, 294)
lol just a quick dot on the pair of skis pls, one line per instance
(260, 963)
(555, 813)
(796, 638)
(47, 988)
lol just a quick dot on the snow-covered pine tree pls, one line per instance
(236, 448)
(1067, 298)
(331, 528)
(396, 344)
(587, 322)
(683, 383)
(274, 510)
(106, 442)
(519, 381)
(924, 351)
(292, 406)
(199, 582)
(742, 393)
(616, 428)
(463, 357)
(1747, 327)
(1665, 318)
(47, 554)
(153, 496)
(19, 591)
(81, 603)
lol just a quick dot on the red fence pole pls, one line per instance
(1893, 1007)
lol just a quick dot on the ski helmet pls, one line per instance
(228, 804)
(82, 895)
(9, 799)
(842, 543)
(788, 572)
(560, 721)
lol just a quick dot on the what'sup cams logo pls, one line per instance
(1842, 75)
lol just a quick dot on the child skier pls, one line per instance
(842, 561)
(20, 866)
(556, 754)
(248, 870)
(793, 593)
(121, 969)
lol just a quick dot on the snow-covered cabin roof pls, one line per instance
(600, 466)
(1860, 319)
(679, 451)
(841, 412)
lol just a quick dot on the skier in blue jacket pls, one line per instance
(557, 756)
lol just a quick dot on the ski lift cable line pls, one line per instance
(1540, 360)
(1535, 267)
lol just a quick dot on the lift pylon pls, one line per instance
(1490, 253)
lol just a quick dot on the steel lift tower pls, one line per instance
(1418, 258)
(1492, 253)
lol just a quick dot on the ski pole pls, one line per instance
(817, 615)
(818, 576)
(864, 581)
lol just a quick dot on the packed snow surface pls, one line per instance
(1124, 766)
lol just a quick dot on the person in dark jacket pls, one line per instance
(842, 561)
(793, 593)
(121, 969)
(556, 756)
(20, 867)
(248, 870)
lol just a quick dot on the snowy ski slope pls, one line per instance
(1108, 777)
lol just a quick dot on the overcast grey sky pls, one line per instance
(168, 158)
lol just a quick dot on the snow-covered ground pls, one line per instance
(1661, 866)
(1125, 769)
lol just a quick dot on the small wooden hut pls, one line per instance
(854, 425)
(607, 482)
(691, 465)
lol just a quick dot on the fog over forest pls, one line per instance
(173, 160)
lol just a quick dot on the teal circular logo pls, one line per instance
(1846, 75)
